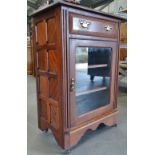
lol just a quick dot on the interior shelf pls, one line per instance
(84, 84)
(90, 91)
(90, 102)
(97, 66)
(85, 66)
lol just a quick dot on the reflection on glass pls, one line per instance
(92, 78)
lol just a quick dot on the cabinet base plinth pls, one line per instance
(75, 134)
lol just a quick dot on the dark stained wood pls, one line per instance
(49, 70)
(123, 54)
(123, 33)
(79, 7)
(109, 119)
(55, 41)
(96, 26)
(29, 57)
(123, 40)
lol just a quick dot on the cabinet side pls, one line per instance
(48, 54)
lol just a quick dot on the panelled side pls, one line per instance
(49, 72)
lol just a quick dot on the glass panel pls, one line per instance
(93, 67)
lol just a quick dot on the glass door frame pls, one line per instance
(74, 43)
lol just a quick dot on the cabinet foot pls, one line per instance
(92, 78)
(46, 130)
(67, 152)
(115, 125)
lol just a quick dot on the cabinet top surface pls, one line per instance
(71, 5)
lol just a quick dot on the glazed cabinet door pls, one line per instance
(93, 67)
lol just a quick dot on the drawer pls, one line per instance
(84, 25)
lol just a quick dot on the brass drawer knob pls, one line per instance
(108, 27)
(85, 24)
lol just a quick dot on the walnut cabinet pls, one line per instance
(76, 59)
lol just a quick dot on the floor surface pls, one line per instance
(103, 141)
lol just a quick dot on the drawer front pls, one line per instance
(93, 26)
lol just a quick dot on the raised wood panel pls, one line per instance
(55, 114)
(34, 32)
(29, 57)
(54, 92)
(43, 88)
(52, 56)
(41, 33)
(42, 60)
(43, 109)
(51, 30)
(123, 54)
(123, 31)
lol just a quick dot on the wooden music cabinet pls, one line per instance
(77, 58)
